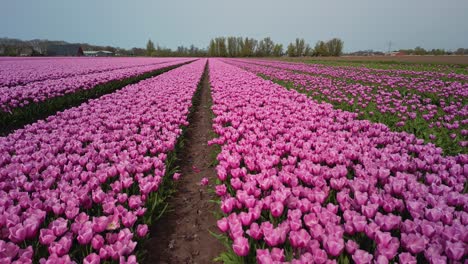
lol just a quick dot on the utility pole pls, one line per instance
(390, 43)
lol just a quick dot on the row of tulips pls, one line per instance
(448, 71)
(381, 76)
(20, 71)
(440, 92)
(443, 122)
(82, 185)
(22, 95)
(301, 182)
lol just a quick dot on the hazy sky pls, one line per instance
(362, 24)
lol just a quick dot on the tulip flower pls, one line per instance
(142, 230)
(92, 258)
(176, 176)
(241, 246)
(204, 181)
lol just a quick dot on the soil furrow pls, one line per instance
(182, 234)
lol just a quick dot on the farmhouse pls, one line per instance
(65, 50)
(99, 53)
(397, 53)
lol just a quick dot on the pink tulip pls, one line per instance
(85, 234)
(223, 225)
(241, 246)
(299, 239)
(99, 224)
(97, 242)
(59, 226)
(221, 190)
(142, 230)
(406, 258)
(362, 257)
(334, 246)
(254, 231)
(46, 236)
(129, 219)
(204, 181)
(455, 251)
(413, 243)
(17, 233)
(277, 254)
(276, 209)
(92, 258)
(176, 176)
(61, 247)
(351, 246)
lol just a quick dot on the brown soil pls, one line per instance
(182, 234)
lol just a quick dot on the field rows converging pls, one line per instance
(14, 71)
(368, 74)
(435, 111)
(24, 104)
(12, 97)
(302, 181)
(231, 161)
(85, 183)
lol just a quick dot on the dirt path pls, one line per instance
(182, 236)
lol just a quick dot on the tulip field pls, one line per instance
(43, 79)
(431, 105)
(82, 184)
(301, 180)
(316, 163)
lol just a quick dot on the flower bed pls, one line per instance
(84, 184)
(305, 183)
(39, 91)
(436, 114)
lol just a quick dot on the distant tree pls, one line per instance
(320, 49)
(307, 50)
(278, 50)
(239, 46)
(232, 46)
(461, 51)
(138, 52)
(265, 47)
(270, 45)
(212, 49)
(221, 46)
(438, 52)
(335, 47)
(407, 51)
(300, 47)
(291, 51)
(419, 51)
(150, 48)
(248, 48)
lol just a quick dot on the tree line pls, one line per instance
(266, 47)
(421, 51)
(218, 47)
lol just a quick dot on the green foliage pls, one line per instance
(218, 47)
(265, 47)
(419, 51)
(335, 47)
(320, 49)
(300, 47)
(291, 51)
(150, 50)
(278, 50)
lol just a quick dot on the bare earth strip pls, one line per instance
(182, 235)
